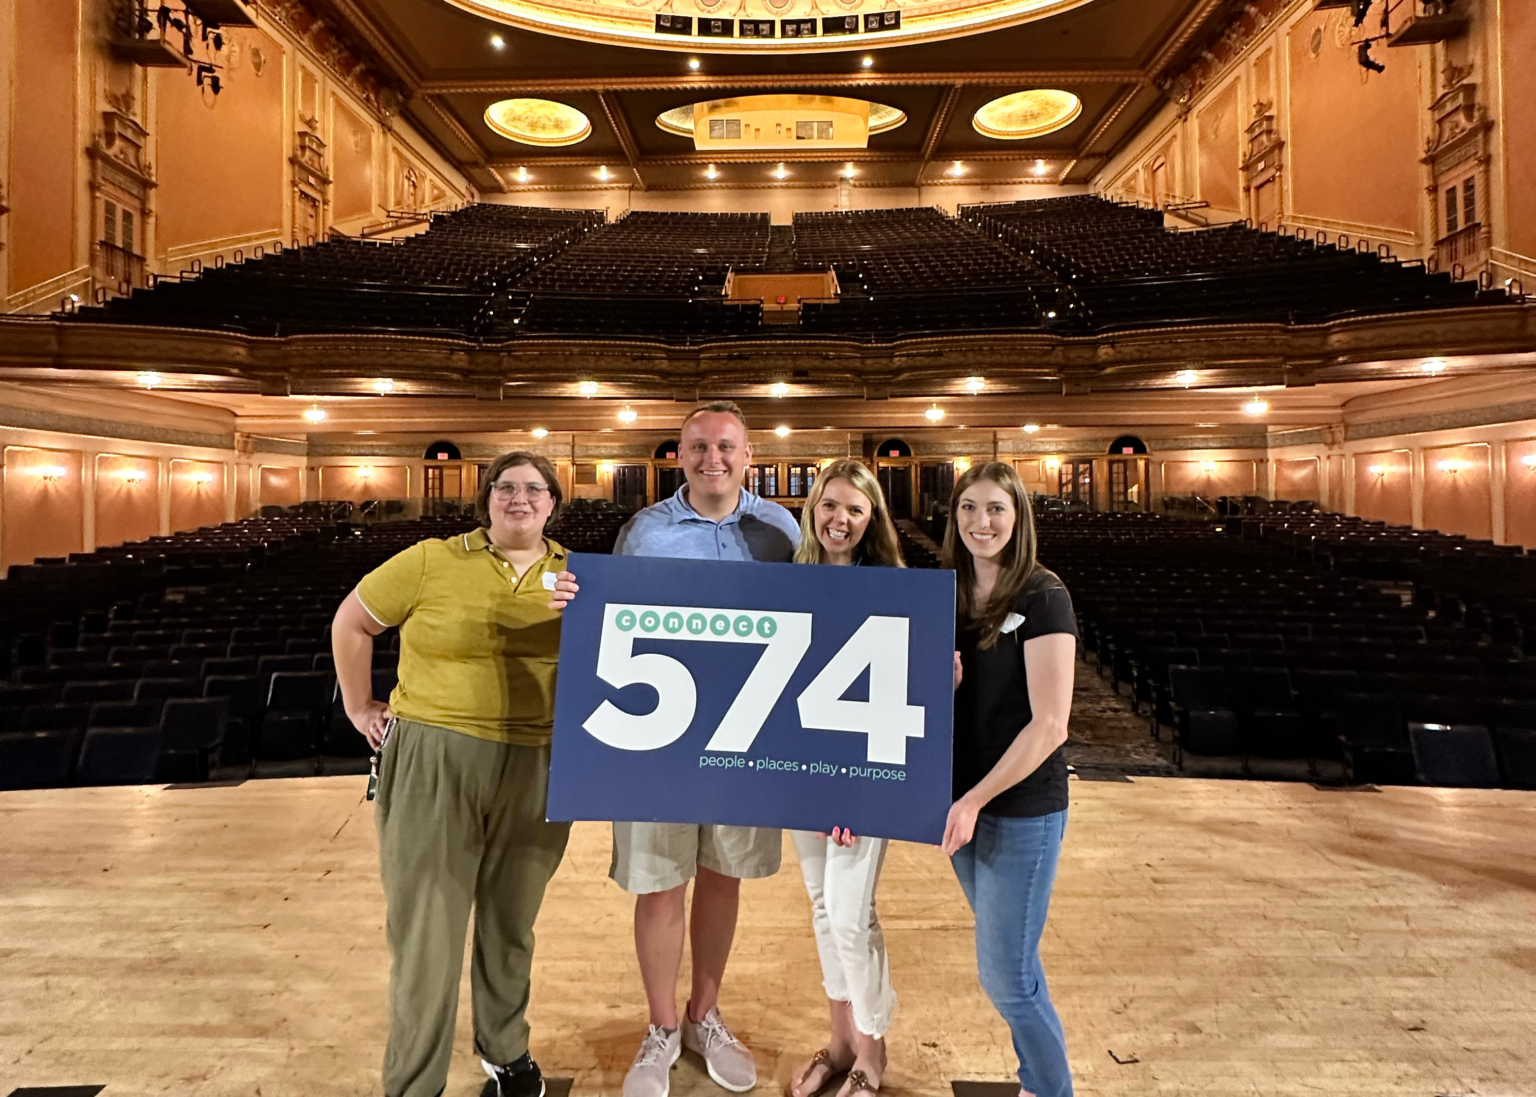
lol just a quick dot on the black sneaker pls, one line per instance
(519, 1078)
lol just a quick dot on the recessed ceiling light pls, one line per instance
(628, 416)
(383, 384)
(149, 379)
(1031, 428)
(710, 172)
(1039, 168)
(780, 172)
(314, 414)
(693, 64)
(522, 174)
(848, 170)
(957, 170)
(602, 171)
(781, 431)
(587, 388)
(539, 432)
(1186, 377)
(498, 42)
(1257, 406)
(934, 414)
(868, 62)
(778, 388)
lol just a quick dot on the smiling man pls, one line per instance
(712, 517)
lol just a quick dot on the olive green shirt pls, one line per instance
(478, 645)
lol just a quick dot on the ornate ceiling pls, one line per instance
(1112, 55)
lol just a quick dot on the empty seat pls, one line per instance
(191, 732)
(114, 690)
(296, 714)
(118, 756)
(158, 689)
(1516, 748)
(1204, 722)
(37, 759)
(247, 696)
(1453, 756)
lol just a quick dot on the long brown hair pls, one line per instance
(1017, 560)
(878, 546)
(512, 460)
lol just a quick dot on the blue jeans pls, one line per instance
(1006, 871)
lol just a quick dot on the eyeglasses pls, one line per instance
(532, 492)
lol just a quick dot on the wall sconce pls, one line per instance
(1376, 470)
(1452, 467)
(133, 476)
(365, 472)
(1052, 464)
(962, 464)
(1529, 460)
(1207, 466)
(201, 477)
(782, 431)
(605, 468)
(49, 473)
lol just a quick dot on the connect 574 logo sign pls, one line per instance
(756, 694)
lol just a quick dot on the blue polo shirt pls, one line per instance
(757, 530)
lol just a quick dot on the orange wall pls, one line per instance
(1387, 497)
(196, 502)
(352, 164)
(1520, 494)
(126, 509)
(1298, 479)
(222, 162)
(1226, 478)
(281, 486)
(1459, 501)
(43, 153)
(1218, 151)
(41, 517)
(346, 482)
(1340, 123)
(1519, 123)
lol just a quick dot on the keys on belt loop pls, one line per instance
(373, 763)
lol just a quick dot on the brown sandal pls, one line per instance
(822, 1058)
(859, 1081)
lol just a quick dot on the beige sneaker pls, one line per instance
(650, 1075)
(727, 1058)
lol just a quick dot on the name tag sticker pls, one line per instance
(549, 580)
(1011, 622)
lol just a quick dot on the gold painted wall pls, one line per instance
(127, 498)
(1218, 150)
(44, 153)
(41, 514)
(352, 148)
(1518, 33)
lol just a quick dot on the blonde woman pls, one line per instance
(846, 522)
(1017, 640)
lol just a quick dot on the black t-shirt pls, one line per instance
(992, 703)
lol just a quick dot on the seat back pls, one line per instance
(1198, 688)
(193, 724)
(1454, 756)
(118, 756)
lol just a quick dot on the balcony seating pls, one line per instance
(1128, 271)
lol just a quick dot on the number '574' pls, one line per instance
(879, 644)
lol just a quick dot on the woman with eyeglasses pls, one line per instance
(463, 756)
(1017, 639)
(846, 521)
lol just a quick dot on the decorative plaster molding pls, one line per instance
(1445, 420)
(349, 64)
(37, 419)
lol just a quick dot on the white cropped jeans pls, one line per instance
(855, 969)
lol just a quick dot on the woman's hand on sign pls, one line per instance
(564, 590)
(843, 836)
(959, 670)
(961, 824)
(371, 720)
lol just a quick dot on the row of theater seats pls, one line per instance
(434, 281)
(1075, 264)
(1130, 271)
(1246, 649)
(171, 683)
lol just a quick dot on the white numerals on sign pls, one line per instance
(785, 636)
(881, 645)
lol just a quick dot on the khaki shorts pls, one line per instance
(651, 857)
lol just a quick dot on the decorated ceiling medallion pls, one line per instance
(538, 122)
(1024, 114)
(764, 26)
(800, 122)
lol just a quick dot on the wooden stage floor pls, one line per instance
(1229, 937)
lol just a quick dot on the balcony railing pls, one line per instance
(118, 266)
(1462, 248)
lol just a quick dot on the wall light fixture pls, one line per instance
(50, 473)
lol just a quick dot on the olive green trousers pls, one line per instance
(461, 826)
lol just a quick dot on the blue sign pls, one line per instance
(774, 695)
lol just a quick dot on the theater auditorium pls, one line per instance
(1238, 288)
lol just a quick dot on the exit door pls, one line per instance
(629, 488)
(896, 482)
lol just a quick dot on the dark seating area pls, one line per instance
(1130, 271)
(1245, 648)
(436, 281)
(171, 659)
